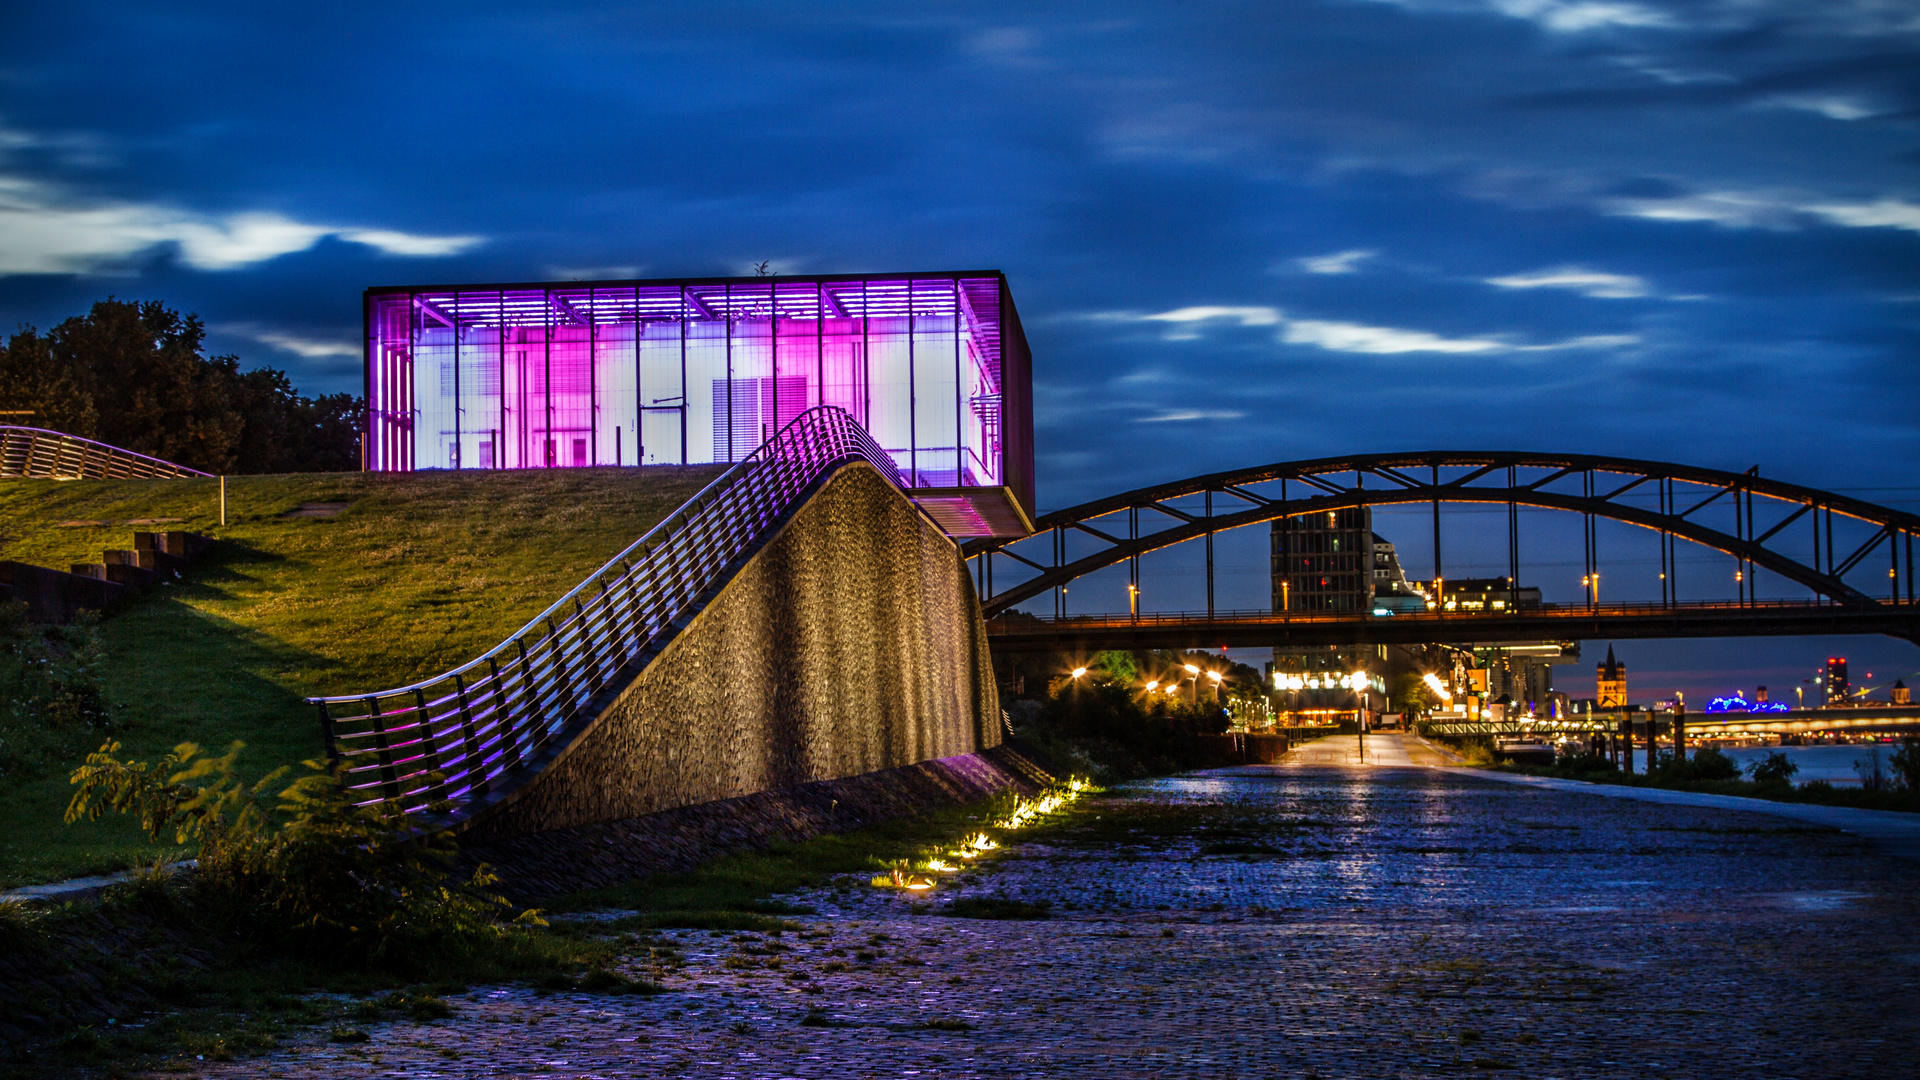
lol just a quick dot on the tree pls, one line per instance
(132, 374)
(1410, 692)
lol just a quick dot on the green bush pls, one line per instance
(1709, 763)
(1112, 731)
(1587, 762)
(315, 874)
(1776, 768)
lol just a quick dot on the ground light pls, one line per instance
(903, 874)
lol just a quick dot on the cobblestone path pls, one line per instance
(1286, 921)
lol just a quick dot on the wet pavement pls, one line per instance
(1297, 920)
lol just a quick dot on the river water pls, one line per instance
(1834, 764)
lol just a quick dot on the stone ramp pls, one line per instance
(849, 642)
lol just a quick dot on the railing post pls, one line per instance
(326, 734)
(470, 743)
(526, 704)
(503, 720)
(389, 783)
(436, 788)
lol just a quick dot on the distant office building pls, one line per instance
(1323, 562)
(1610, 683)
(1837, 685)
(935, 366)
(1334, 561)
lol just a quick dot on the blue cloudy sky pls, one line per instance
(1237, 232)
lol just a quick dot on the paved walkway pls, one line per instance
(1267, 921)
(1380, 749)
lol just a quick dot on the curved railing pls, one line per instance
(29, 453)
(457, 736)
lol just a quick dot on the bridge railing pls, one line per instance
(30, 453)
(454, 737)
(1011, 621)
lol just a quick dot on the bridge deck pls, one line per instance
(1020, 632)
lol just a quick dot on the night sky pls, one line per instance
(1237, 233)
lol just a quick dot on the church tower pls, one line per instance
(1610, 683)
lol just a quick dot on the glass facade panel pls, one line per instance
(686, 372)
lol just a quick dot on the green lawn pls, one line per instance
(422, 572)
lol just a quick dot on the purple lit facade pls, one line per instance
(577, 374)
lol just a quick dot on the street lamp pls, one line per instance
(1079, 671)
(1194, 674)
(1215, 676)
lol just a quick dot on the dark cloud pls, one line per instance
(1661, 230)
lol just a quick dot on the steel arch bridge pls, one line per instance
(1743, 515)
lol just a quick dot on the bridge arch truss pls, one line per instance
(1749, 518)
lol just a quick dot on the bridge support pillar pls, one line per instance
(1679, 731)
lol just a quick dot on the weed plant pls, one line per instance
(313, 875)
(53, 697)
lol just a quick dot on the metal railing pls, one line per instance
(29, 453)
(457, 736)
(1013, 623)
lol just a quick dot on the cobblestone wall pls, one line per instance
(850, 643)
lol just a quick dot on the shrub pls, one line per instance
(1775, 768)
(1906, 763)
(1586, 761)
(317, 873)
(1709, 763)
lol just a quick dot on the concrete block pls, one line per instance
(133, 577)
(52, 596)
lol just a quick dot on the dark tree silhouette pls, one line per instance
(133, 374)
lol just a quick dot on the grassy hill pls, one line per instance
(419, 573)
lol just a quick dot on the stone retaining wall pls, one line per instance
(850, 643)
(597, 856)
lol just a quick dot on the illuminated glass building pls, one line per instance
(689, 371)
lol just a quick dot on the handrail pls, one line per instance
(1015, 619)
(456, 737)
(31, 453)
